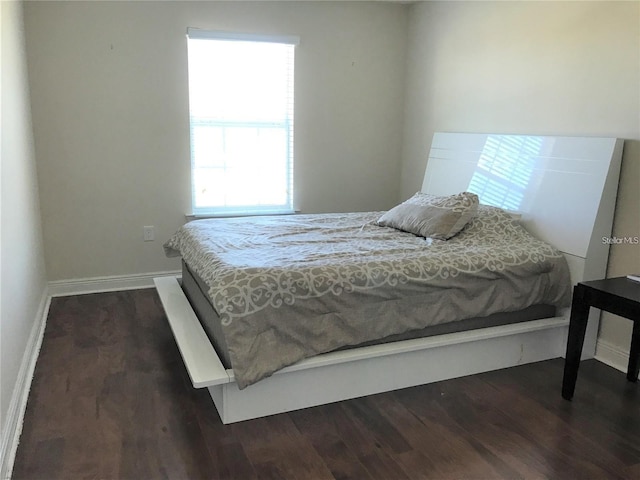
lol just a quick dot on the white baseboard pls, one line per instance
(612, 355)
(18, 404)
(80, 286)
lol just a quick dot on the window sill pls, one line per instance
(200, 216)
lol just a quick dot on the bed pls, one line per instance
(360, 323)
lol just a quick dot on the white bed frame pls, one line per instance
(566, 192)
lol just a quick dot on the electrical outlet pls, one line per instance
(148, 233)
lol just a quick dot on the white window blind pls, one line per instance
(241, 118)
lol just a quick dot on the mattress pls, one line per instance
(290, 287)
(195, 290)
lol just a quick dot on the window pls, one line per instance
(241, 118)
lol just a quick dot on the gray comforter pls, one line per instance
(290, 287)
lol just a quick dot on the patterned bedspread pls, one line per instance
(290, 287)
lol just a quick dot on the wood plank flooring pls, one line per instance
(111, 399)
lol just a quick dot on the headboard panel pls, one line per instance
(564, 187)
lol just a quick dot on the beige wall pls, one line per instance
(110, 112)
(556, 68)
(23, 278)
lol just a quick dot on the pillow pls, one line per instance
(432, 217)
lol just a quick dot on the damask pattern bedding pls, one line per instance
(291, 287)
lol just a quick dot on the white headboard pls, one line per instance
(564, 187)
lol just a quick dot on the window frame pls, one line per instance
(287, 125)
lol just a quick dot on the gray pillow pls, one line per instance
(432, 217)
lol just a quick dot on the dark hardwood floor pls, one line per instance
(110, 399)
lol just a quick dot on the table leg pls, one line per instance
(634, 353)
(577, 329)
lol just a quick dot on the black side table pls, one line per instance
(619, 296)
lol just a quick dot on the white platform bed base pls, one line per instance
(568, 202)
(354, 373)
